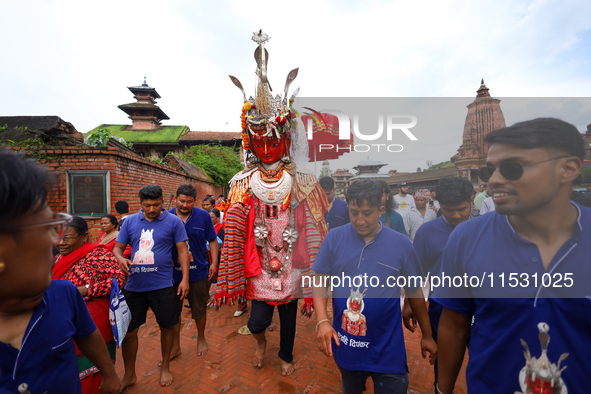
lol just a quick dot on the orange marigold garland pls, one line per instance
(244, 130)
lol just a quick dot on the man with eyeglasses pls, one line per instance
(40, 319)
(528, 270)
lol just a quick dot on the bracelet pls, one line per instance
(320, 322)
(437, 388)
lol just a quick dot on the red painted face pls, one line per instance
(269, 150)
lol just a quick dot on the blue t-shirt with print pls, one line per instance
(371, 332)
(152, 244)
(200, 230)
(429, 243)
(488, 245)
(338, 214)
(47, 360)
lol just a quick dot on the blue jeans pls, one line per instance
(384, 383)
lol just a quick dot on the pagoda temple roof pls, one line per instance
(128, 108)
(369, 163)
(165, 134)
(144, 88)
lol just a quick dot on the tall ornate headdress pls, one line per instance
(268, 116)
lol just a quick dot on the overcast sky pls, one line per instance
(74, 59)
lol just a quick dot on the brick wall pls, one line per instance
(128, 173)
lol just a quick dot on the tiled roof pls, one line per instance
(211, 136)
(369, 176)
(423, 176)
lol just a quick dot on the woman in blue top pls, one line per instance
(390, 217)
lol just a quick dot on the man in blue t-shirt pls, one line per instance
(40, 319)
(527, 268)
(455, 196)
(152, 233)
(337, 214)
(200, 230)
(369, 260)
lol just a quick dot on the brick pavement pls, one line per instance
(227, 368)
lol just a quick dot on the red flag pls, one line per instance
(325, 131)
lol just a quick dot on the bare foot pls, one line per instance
(127, 381)
(272, 327)
(201, 347)
(165, 378)
(174, 353)
(259, 354)
(286, 368)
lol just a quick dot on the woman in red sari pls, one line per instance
(91, 268)
(110, 232)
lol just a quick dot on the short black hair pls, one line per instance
(222, 196)
(454, 190)
(187, 190)
(326, 182)
(122, 207)
(210, 199)
(549, 133)
(79, 225)
(433, 190)
(385, 188)
(369, 191)
(111, 218)
(150, 192)
(23, 188)
(215, 211)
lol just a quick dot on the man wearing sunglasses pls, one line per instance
(531, 260)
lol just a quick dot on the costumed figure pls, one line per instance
(274, 221)
(540, 376)
(354, 321)
(145, 255)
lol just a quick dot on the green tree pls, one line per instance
(221, 163)
(586, 173)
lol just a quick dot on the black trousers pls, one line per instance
(261, 316)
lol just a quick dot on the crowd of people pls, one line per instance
(528, 219)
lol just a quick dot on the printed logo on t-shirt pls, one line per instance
(144, 255)
(403, 205)
(354, 322)
(540, 375)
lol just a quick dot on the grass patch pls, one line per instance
(165, 134)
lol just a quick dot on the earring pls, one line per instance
(2, 266)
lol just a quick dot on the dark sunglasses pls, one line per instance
(510, 170)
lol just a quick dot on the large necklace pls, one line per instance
(270, 192)
(273, 172)
(274, 267)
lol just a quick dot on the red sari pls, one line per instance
(111, 244)
(96, 266)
